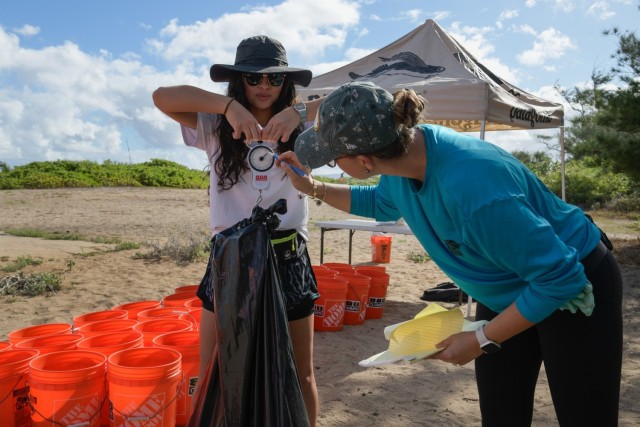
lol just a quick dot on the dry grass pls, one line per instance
(627, 251)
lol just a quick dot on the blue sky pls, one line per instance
(76, 76)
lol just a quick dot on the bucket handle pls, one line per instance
(12, 389)
(80, 424)
(188, 314)
(161, 410)
(354, 291)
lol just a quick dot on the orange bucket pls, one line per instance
(194, 302)
(177, 300)
(132, 308)
(144, 384)
(380, 268)
(192, 289)
(357, 298)
(5, 345)
(106, 326)
(194, 305)
(329, 307)
(380, 248)
(163, 312)
(14, 389)
(107, 344)
(38, 331)
(324, 272)
(154, 327)
(377, 292)
(67, 388)
(51, 343)
(96, 316)
(338, 267)
(188, 345)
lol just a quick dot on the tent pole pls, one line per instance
(562, 164)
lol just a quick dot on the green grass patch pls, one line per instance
(31, 285)
(21, 263)
(418, 257)
(181, 249)
(49, 235)
(126, 246)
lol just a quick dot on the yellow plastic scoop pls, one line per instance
(416, 339)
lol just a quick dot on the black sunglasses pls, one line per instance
(333, 163)
(275, 79)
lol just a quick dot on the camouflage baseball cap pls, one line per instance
(356, 118)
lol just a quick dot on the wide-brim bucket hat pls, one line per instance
(260, 54)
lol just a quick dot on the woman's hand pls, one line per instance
(304, 184)
(243, 122)
(459, 349)
(281, 126)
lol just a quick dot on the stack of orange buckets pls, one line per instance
(348, 295)
(139, 360)
(106, 368)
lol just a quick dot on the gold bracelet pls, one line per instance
(314, 190)
(226, 107)
(324, 194)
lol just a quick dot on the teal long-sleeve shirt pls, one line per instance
(488, 223)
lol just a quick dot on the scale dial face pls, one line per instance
(261, 158)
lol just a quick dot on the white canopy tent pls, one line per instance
(461, 92)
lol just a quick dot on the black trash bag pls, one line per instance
(252, 378)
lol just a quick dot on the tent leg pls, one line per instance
(562, 164)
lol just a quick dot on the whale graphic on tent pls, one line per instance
(408, 63)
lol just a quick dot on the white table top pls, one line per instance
(366, 225)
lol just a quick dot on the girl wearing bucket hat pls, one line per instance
(259, 112)
(540, 270)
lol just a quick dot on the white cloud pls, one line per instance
(326, 23)
(526, 29)
(62, 102)
(564, 5)
(475, 40)
(600, 9)
(439, 15)
(549, 44)
(530, 3)
(28, 30)
(414, 15)
(508, 14)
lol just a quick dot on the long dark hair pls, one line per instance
(231, 162)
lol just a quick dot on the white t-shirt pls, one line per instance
(230, 206)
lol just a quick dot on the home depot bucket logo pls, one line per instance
(145, 414)
(352, 306)
(84, 412)
(376, 302)
(334, 313)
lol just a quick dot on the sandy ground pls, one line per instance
(427, 393)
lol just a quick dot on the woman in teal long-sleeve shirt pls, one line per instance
(536, 265)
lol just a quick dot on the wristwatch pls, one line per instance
(486, 344)
(302, 110)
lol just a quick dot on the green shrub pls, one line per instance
(69, 173)
(20, 263)
(31, 285)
